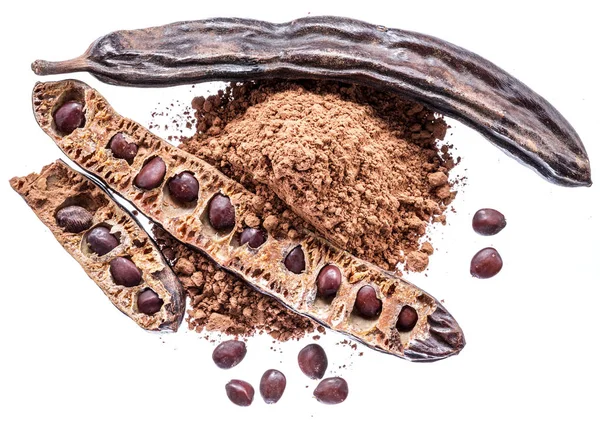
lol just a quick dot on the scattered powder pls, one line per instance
(362, 167)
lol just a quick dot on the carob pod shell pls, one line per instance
(442, 76)
(263, 267)
(58, 187)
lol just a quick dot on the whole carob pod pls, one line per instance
(444, 77)
(108, 243)
(214, 221)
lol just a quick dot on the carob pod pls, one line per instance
(435, 335)
(133, 274)
(444, 77)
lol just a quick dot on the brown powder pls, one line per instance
(222, 302)
(361, 167)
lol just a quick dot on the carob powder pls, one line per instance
(362, 167)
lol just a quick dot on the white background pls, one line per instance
(70, 362)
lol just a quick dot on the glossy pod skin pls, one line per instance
(435, 335)
(130, 270)
(441, 76)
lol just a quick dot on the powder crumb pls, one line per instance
(427, 248)
(417, 261)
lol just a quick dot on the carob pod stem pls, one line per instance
(134, 266)
(434, 335)
(444, 77)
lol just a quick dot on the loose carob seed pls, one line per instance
(272, 386)
(101, 240)
(313, 361)
(74, 219)
(486, 263)
(69, 117)
(407, 319)
(229, 353)
(332, 390)
(364, 167)
(240, 392)
(488, 222)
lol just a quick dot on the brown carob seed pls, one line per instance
(407, 319)
(74, 219)
(333, 390)
(101, 240)
(294, 261)
(123, 149)
(486, 263)
(240, 392)
(488, 222)
(151, 175)
(125, 272)
(272, 386)
(69, 117)
(313, 361)
(229, 353)
(367, 304)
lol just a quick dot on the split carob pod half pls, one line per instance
(444, 77)
(108, 243)
(306, 274)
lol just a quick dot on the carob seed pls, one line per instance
(74, 219)
(101, 240)
(253, 237)
(407, 319)
(123, 149)
(367, 304)
(69, 117)
(329, 281)
(272, 386)
(230, 353)
(294, 261)
(152, 174)
(332, 390)
(313, 361)
(240, 392)
(221, 213)
(488, 222)
(184, 187)
(124, 272)
(486, 263)
(149, 302)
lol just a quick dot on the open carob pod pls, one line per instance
(205, 209)
(444, 77)
(108, 243)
